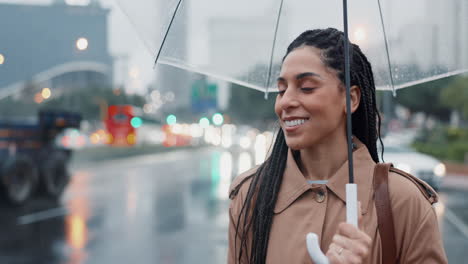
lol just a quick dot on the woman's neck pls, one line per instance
(323, 160)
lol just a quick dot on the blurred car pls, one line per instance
(423, 166)
(71, 139)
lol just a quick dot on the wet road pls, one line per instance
(165, 208)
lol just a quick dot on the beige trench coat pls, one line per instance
(302, 208)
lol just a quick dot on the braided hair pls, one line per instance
(256, 216)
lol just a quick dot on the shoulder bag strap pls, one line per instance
(384, 213)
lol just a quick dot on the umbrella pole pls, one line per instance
(351, 188)
(312, 241)
(349, 125)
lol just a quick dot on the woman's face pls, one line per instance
(310, 103)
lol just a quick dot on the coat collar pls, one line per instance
(294, 183)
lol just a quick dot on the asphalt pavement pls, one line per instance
(161, 208)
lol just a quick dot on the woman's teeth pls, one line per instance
(295, 122)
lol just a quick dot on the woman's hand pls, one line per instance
(350, 245)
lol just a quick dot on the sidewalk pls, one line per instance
(457, 169)
(455, 181)
(457, 176)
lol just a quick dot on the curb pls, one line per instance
(455, 181)
(456, 169)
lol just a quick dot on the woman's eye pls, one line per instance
(281, 92)
(307, 90)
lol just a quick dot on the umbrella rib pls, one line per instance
(428, 79)
(167, 32)
(349, 123)
(270, 67)
(387, 51)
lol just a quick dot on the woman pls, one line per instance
(300, 188)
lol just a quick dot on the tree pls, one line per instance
(455, 95)
(425, 98)
(249, 106)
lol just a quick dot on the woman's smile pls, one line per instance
(292, 124)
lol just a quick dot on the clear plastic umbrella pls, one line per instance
(244, 41)
(407, 42)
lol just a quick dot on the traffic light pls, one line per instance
(218, 119)
(171, 119)
(136, 122)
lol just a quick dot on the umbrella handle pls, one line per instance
(313, 246)
(314, 249)
(351, 204)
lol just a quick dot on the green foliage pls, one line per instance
(436, 150)
(455, 95)
(426, 98)
(444, 143)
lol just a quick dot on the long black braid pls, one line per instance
(255, 219)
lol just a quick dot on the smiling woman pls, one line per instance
(310, 105)
(300, 188)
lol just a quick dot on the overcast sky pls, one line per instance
(299, 13)
(123, 41)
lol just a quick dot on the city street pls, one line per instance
(160, 208)
(123, 123)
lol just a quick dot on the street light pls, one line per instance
(134, 73)
(360, 34)
(46, 93)
(2, 59)
(38, 98)
(82, 44)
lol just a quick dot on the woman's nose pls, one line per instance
(289, 99)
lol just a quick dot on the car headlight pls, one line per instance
(245, 142)
(440, 170)
(404, 167)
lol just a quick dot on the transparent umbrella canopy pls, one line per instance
(407, 42)
(244, 42)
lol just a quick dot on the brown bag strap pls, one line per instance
(384, 213)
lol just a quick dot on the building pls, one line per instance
(438, 40)
(241, 47)
(174, 84)
(58, 46)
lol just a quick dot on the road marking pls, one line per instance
(456, 221)
(41, 216)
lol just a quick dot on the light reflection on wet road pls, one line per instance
(166, 208)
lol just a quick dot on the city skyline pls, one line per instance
(137, 59)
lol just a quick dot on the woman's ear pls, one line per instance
(355, 93)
